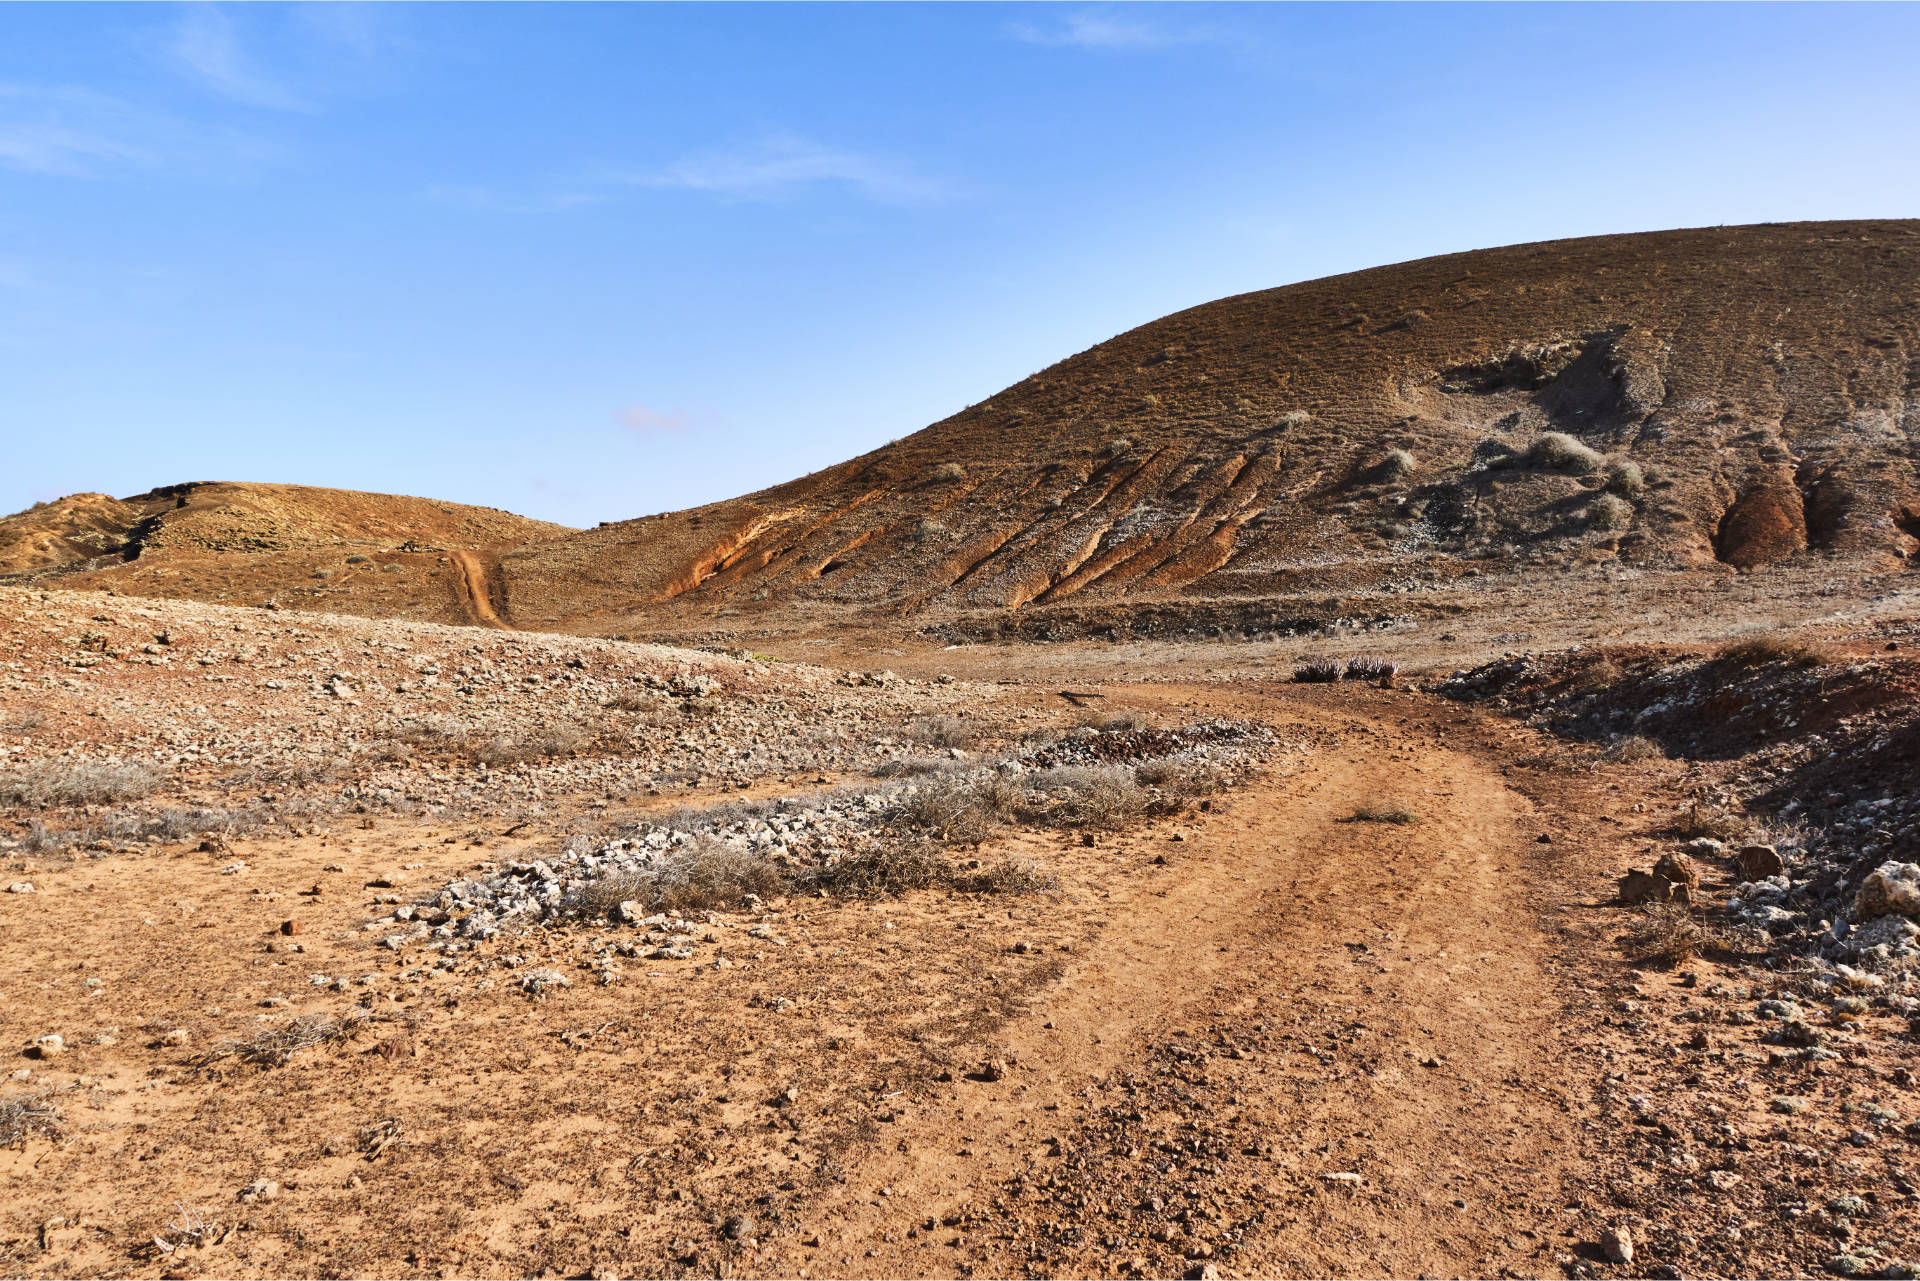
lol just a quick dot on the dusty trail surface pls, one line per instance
(1314, 1049)
(473, 586)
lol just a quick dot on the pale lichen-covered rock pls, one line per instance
(1892, 889)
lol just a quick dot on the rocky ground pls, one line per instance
(349, 948)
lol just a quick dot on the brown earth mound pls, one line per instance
(1717, 400)
(383, 555)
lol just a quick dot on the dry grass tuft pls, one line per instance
(275, 1046)
(26, 1116)
(1095, 796)
(704, 873)
(46, 784)
(559, 741)
(1608, 512)
(1316, 671)
(1630, 748)
(1557, 451)
(1120, 720)
(960, 809)
(1763, 651)
(944, 731)
(879, 869)
(1396, 812)
(1666, 932)
(1008, 876)
(948, 472)
(1370, 667)
(912, 766)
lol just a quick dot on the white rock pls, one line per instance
(1892, 889)
(20, 887)
(50, 1046)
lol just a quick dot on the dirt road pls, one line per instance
(473, 589)
(1315, 1049)
(1259, 1037)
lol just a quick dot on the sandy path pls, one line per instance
(471, 588)
(1394, 976)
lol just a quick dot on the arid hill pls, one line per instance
(1680, 411)
(1726, 399)
(381, 555)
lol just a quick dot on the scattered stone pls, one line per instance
(1639, 886)
(1617, 1244)
(736, 1227)
(1892, 889)
(50, 1046)
(260, 1190)
(1758, 862)
(1678, 869)
(20, 887)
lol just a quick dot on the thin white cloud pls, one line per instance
(72, 133)
(649, 422)
(207, 48)
(784, 164)
(1094, 29)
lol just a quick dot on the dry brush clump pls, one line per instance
(1667, 932)
(1095, 796)
(49, 784)
(1557, 451)
(1631, 748)
(1315, 671)
(1764, 651)
(1398, 813)
(28, 1116)
(880, 868)
(1120, 720)
(703, 874)
(1609, 512)
(944, 731)
(960, 809)
(1370, 667)
(275, 1046)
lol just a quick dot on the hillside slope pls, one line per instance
(1761, 379)
(380, 555)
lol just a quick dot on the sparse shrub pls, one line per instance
(1293, 418)
(48, 783)
(1398, 813)
(1315, 671)
(704, 873)
(1625, 477)
(1666, 932)
(946, 473)
(944, 731)
(1397, 465)
(1097, 796)
(1762, 651)
(1609, 511)
(276, 1046)
(880, 868)
(435, 734)
(1117, 446)
(1184, 775)
(960, 809)
(1008, 876)
(558, 741)
(924, 529)
(1557, 451)
(1370, 667)
(912, 766)
(358, 559)
(1630, 748)
(1120, 720)
(1711, 821)
(25, 1116)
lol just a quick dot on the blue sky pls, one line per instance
(587, 263)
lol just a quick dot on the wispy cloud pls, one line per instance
(69, 132)
(1095, 29)
(643, 421)
(207, 48)
(784, 164)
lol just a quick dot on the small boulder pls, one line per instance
(51, 1046)
(20, 887)
(1617, 1244)
(1892, 889)
(1639, 886)
(1678, 869)
(1758, 862)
